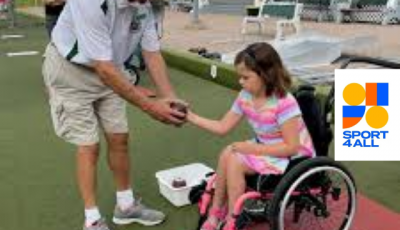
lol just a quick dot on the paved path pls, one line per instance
(222, 33)
(369, 216)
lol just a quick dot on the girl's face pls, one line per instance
(249, 80)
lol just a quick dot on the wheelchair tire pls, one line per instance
(307, 195)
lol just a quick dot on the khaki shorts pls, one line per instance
(80, 103)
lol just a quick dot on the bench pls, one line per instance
(318, 10)
(378, 11)
(287, 13)
(349, 14)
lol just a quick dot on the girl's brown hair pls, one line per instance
(263, 59)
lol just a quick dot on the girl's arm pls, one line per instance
(219, 127)
(289, 147)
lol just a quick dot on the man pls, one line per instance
(82, 72)
(52, 9)
(3, 9)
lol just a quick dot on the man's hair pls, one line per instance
(263, 59)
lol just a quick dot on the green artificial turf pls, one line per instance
(38, 190)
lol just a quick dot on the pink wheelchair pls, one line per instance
(313, 193)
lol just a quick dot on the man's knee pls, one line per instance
(118, 142)
(87, 153)
(89, 149)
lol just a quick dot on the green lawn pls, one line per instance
(29, 2)
(37, 188)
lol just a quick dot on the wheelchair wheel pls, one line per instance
(316, 194)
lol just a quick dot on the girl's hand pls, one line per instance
(190, 116)
(244, 147)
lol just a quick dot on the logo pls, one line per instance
(375, 95)
(367, 112)
(136, 22)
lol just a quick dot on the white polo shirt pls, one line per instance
(104, 30)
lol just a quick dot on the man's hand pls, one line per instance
(161, 110)
(180, 106)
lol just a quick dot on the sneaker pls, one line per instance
(98, 225)
(138, 213)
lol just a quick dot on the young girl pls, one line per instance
(274, 115)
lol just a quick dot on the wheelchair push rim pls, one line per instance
(331, 208)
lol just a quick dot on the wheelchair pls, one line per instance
(313, 193)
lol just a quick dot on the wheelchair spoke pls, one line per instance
(323, 200)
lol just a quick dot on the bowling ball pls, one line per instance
(178, 182)
(179, 107)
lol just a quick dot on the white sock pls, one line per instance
(125, 199)
(91, 216)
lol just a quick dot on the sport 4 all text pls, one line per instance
(363, 138)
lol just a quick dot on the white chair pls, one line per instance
(287, 12)
(338, 6)
(259, 19)
(177, 5)
(203, 3)
(294, 22)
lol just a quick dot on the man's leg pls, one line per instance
(86, 161)
(127, 209)
(86, 164)
(75, 121)
(111, 112)
(119, 164)
(118, 159)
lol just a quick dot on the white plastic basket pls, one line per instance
(193, 174)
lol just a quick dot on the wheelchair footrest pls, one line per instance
(243, 220)
(253, 211)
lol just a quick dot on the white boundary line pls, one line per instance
(11, 36)
(22, 53)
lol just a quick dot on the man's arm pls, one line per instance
(111, 76)
(158, 72)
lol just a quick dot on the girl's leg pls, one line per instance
(217, 212)
(220, 194)
(236, 172)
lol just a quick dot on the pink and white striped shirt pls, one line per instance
(266, 123)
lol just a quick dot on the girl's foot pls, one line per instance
(229, 224)
(215, 217)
